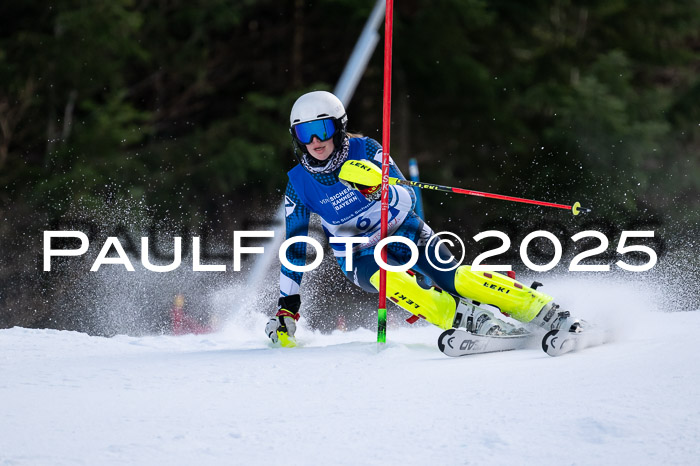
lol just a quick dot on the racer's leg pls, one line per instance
(511, 297)
(472, 313)
(431, 303)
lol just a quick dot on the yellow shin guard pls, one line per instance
(438, 307)
(434, 305)
(510, 296)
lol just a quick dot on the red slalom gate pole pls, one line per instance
(386, 138)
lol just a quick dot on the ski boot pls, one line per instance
(551, 317)
(477, 319)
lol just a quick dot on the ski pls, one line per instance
(456, 342)
(558, 342)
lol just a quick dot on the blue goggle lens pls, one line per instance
(322, 129)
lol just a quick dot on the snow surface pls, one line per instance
(229, 398)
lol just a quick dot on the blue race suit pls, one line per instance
(345, 212)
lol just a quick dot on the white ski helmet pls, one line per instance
(317, 106)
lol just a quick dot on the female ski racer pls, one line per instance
(351, 210)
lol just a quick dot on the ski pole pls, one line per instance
(356, 171)
(575, 208)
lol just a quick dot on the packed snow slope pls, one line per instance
(229, 398)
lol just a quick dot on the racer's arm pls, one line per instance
(281, 328)
(297, 224)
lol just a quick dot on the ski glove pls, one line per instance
(281, 328)
(371, 193)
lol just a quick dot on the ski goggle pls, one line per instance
(322, 129)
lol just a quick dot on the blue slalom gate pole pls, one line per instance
(413, 174)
